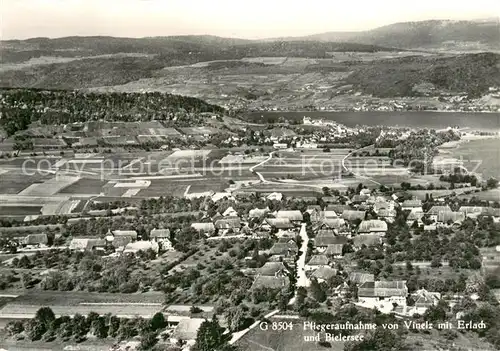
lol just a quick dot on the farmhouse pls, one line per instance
(330, 199)
(317, 261)
(258, 212)
(273, 269)
(361, 277)
(367, 240)
(334, 250)
(324, 273)
(412, 205)
(414, 216)
(275, 196)
(119, 242)
(338, 224)
(186, 330)
(280, 146)
(228, 225)
(284, 249)
(424, 299)
(387, 215)
(328, 214)
(278, 223)
(472, 211)
(370, 293)
(230, 212)
(162, 237)
(373, 226)
(270, 282)
(141, 246)
(359, 199)
(450, 218)
(292, 216)
(328, 237)
(36, 240)
(132, 234)
(206, 228)
(353, 215)
(434, 211)
(87, 244)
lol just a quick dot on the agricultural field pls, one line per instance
(84, 186)
(283, 340)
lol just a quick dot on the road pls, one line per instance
(238, 335)
(356, 174)
(302, 280)
(252, 169)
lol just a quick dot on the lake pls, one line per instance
(415, 119)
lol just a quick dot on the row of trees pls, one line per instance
(47, 327)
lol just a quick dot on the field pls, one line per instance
(17, 210)
(286, 340)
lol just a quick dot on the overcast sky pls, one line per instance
(251, 19)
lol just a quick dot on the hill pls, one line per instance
(433, 34)
(472, 74)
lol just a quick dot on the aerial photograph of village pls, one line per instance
(249, 176)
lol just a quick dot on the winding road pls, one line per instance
(252, 169)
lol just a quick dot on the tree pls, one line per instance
(437, 313)
(158, 321)
(210, 336)
(34, 330)
(148, 341)
(234, 317)
(98, 328)
(317, 291)
(80, 328)
(45, 317)
(492, 183)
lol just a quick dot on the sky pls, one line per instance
(250, 19)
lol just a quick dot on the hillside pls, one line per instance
(434, 34)
(472, 74)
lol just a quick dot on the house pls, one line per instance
(330, 199)
(230, 212)
(334, 250)
(337, 224)
(373, 226)
(186, 330)
(450, 218)
(434, 211)
(280, 146)
(359, 199)
(353, 215)
(273, 269)
(317, 261)
(119, 242)
(292, 216)
(371, 293)
(324, 273)
(327, 237)
(387, 215)
(367, 240)
(162, 237)
(472, 211)
(430, 228)
(258, 212)
(137, 246)
(275, 196)
(314, 212)
(415, 216)
(36, 240)
(412, 205)
(361, 277)
(328, 214)
(205, 228)
(130, 233)
(270, 282)
(278, 223)
(87, 244)
(490, 259)
(287, 249)
(228, 225)
(338, 208)
(423, 300)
